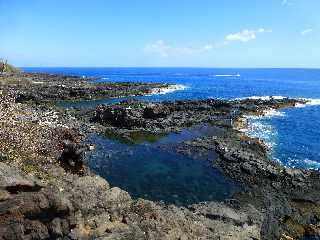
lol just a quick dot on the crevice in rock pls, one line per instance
(47, 215)
(23, 188)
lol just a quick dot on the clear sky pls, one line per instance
(124, 33)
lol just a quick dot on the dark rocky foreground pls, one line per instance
(47, 192)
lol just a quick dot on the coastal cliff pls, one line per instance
(48, 192)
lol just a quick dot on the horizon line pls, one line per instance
(311, 68)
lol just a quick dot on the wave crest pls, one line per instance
(168, 89)
(263, 98)
(227, 75)
(310, 102)
(305, 163)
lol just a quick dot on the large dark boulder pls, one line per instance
(73, 155)
(155, 111)
(29, 210)
(127, 115)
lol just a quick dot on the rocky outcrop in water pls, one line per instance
(132, 116)
(50, 87)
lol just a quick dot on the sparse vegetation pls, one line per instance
(8, 68)
(29, 138)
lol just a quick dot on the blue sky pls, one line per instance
(124, 33)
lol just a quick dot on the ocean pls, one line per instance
(293, 134)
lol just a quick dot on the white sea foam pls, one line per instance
(267, 98)
(257, 128)
(227, 75)
(263, 98)
(273, 113)
(314, 102)
(260, 130)
(105, 78)
(270, 113)
(169, 89)
(312, 164)
(310, 102)
(306, 163)
(300, 105)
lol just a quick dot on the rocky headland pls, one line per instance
(48, 192)
(40, 87)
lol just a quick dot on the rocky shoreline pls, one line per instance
(40, 87)
(47, 191)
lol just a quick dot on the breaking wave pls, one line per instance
(227, 75)
(306, 163)
(168, 89)
(260, 127)
(257, 127)
(263, 98)
(310, 102)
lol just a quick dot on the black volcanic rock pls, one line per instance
(29, 210)
(155, 111)
(166, 117)
(39, 87)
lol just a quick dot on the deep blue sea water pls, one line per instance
(293, 133)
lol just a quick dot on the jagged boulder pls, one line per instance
(29, 210)
(72, 156)
(127, 115)
(155, 111)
